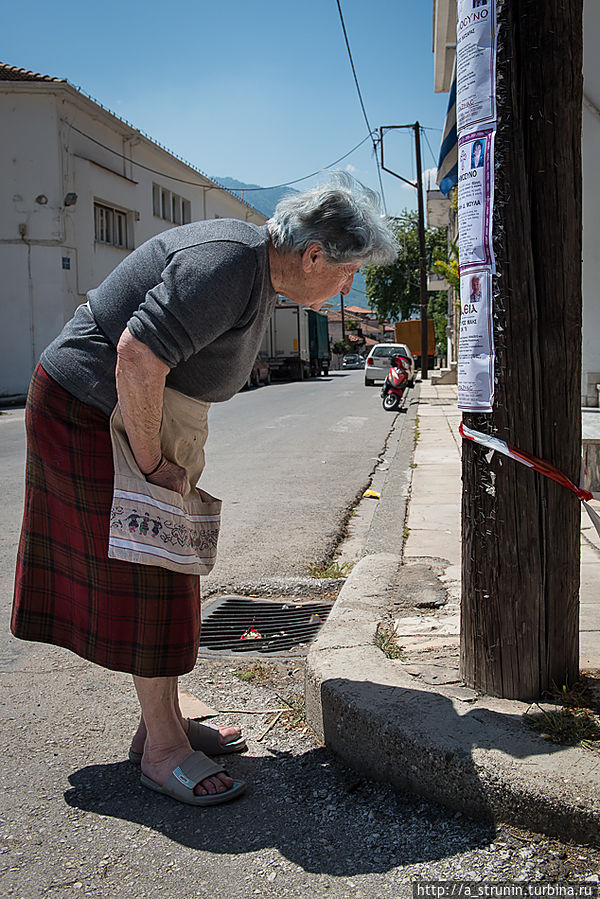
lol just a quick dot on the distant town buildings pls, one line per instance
(361, 328)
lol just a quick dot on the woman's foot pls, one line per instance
(227, 734)
(159, 762)
(162, 735)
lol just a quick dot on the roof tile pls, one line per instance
(14, 73)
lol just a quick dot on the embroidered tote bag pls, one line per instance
(151, 525)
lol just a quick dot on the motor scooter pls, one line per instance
(395, 383)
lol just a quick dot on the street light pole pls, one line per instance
(421, 227)
(343, 321)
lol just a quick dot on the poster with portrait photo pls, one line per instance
(476, 38)
(476, 342)
(476, 198)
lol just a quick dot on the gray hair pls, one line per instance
(343, 216)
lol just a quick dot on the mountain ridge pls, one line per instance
(265, 199)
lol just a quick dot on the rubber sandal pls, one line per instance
(204, 738)
(192, 771)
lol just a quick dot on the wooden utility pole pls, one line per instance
(520, 573)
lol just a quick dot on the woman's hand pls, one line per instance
(171, 476)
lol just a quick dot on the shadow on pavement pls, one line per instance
(317, 814)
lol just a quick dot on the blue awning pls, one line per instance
(447, 173)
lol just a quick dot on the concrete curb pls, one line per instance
(471, 754)
(388, 521)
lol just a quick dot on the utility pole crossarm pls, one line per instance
(389, 171)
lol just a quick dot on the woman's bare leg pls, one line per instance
(227, 732)
(166, 744)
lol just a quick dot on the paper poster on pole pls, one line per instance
(476, 32)
(476, 199)
(476, 343)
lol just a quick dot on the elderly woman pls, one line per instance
(183, 317)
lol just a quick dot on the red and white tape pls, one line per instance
(545, 468)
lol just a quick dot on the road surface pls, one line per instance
(289, 460)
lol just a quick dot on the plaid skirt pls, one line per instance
(141, 619)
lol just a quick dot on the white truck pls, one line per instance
(287, 341)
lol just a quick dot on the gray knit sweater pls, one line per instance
(198, 296)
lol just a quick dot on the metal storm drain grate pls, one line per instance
(239, 624)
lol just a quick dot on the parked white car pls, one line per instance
(378, 362)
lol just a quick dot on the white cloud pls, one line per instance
(350, 168)
(429, 176)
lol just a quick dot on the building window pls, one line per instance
(170, 207)
(156, 200)
(176, 209)
(110, 226)
(165, 196)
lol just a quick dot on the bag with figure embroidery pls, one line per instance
(152, 525)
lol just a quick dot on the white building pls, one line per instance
(444, 44)
(81, 189)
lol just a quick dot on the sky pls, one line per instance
(262, 92)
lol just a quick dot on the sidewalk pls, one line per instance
(434, 513)
(409, 721)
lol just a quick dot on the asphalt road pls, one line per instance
(289, 460)
(12, 467)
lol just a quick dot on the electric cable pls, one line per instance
(362, 105)
(429, 145)
(147, 168)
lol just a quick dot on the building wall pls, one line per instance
(57, 142)
(36, 293)
(590, 367)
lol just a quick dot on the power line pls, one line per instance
(429, 145)
(312, 174)
(362, 105)
(219, 186)
(358, 290)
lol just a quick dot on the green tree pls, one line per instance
(342, 348)
(448, 267)
(393, 290)
(437, 310)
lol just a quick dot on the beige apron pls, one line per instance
(151, 525)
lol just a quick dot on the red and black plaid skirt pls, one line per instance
(136, 618)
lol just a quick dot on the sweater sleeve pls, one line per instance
(203, 293)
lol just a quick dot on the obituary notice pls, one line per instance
(476, 198)
(475, 63)
(476, 343)
(476, 46)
